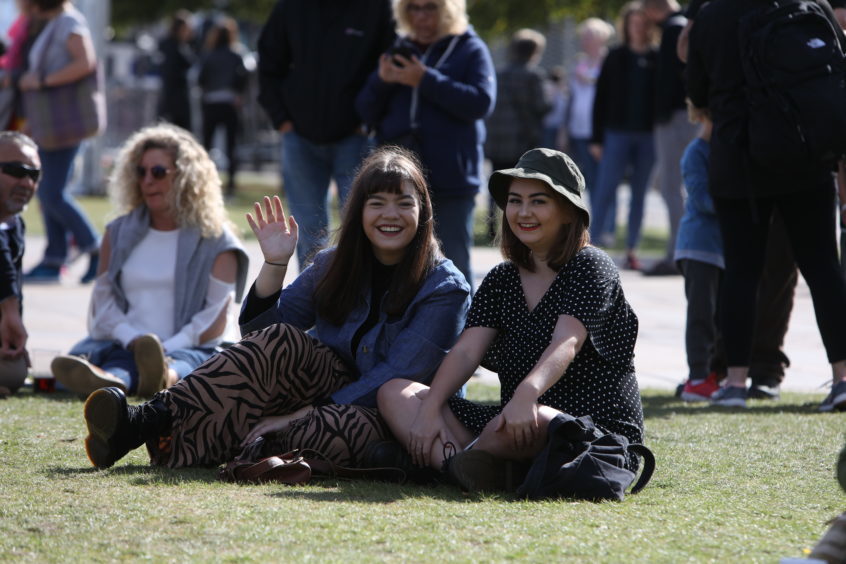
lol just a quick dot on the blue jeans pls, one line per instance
(621, 150)
(454, 228)
(580, 153)
(307, 169)
(120, 362)
(61, 214)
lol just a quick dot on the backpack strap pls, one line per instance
(648, 465)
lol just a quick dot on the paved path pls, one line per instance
(55, 319)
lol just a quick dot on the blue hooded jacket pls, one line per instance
(444, 114)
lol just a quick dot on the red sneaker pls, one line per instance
(702, 390)
(631, 262)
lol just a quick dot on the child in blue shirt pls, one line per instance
(699, 255)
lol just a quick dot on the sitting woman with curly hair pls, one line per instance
(170, 269)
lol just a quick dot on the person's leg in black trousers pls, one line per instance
(775, 302)
(744, 225)
(809, 218)
(229, 116)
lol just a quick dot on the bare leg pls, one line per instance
(499, 443)
(399, 404)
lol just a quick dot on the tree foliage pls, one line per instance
(490, 17)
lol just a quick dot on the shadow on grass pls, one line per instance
(655, 407)
(141, 474)
(372, 492)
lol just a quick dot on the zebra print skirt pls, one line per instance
(274, 371)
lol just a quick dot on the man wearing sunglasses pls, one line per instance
(20, 169)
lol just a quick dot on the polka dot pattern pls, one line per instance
(600, 381)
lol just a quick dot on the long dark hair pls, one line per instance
(337, 294)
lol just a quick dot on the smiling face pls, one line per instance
(390, 222)
(424, 18)
(16, 183)
(535, 214)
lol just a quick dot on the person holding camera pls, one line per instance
(431, 93)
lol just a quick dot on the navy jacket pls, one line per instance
(314, 56)
(446, 111)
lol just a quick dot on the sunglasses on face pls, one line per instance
(20, 170)
(157, 171)
(426, 9)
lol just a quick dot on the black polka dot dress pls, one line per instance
(600, 381)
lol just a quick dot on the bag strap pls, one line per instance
(323, 467)
(648, 465)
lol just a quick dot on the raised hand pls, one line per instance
(276, 235)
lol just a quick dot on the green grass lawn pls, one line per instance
(730, 486)
(253, 187)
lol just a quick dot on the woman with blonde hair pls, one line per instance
(431, 93)
(171, 266)
(593, 34)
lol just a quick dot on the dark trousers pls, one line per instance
(226, 115)
(775, 302)
(808, 218)
(701, 288)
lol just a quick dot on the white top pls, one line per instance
(147, 279)
(582, 92)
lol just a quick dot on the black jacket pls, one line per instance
(669, 89)
(11, 259)
(612, 106)
(314, 56)
(715, 81)
(223, 68)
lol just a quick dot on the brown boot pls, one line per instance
(151, 363)
(81, 377)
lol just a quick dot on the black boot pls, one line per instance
(115, 428)
(391, 454)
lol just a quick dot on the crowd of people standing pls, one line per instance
(399, 103)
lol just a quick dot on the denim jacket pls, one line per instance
(699, 231)
(411, 346)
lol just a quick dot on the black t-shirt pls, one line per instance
(694, 7)
(640, 79)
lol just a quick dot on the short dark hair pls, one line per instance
(571, 239)
(337, 293)
(525, 44)
(45, 5)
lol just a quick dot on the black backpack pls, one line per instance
(581, 461)
(795, 71)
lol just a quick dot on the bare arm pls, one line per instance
(458, 366)
(225, 268)
(519, 418)
(83, 62)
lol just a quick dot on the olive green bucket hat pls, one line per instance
(553, 168)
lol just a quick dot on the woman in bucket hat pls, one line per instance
(551, 320)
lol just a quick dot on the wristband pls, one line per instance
(276, 263)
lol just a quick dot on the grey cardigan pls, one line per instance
(195, 256)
